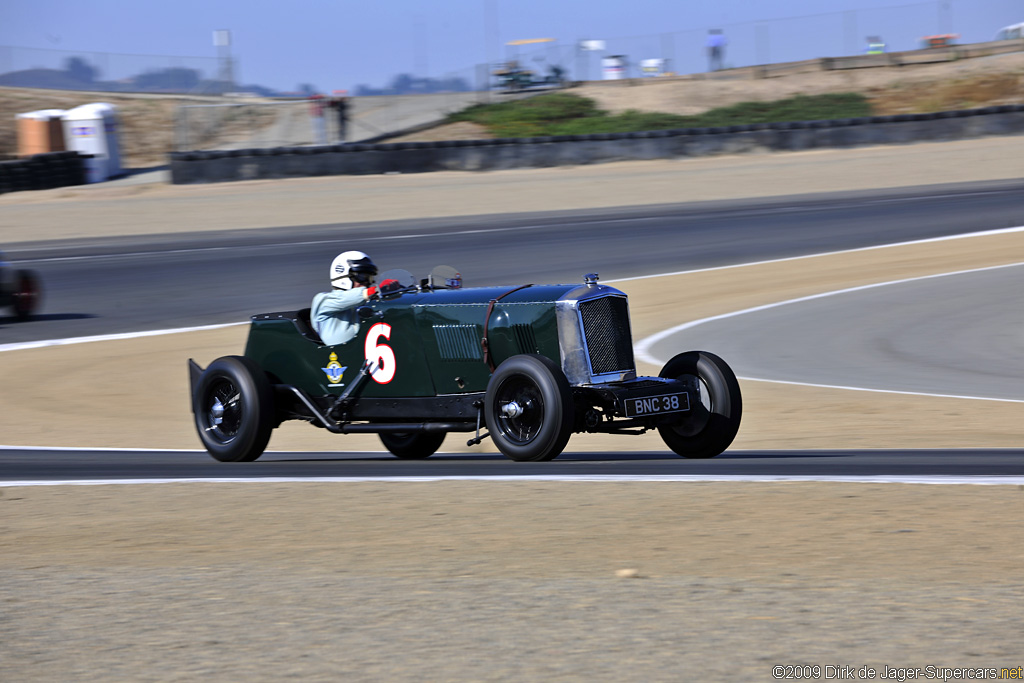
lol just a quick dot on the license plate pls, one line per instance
(657, 405)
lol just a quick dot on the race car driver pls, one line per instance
(333, 313)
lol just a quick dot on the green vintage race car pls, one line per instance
(531, 365)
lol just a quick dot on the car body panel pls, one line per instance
(428, 342)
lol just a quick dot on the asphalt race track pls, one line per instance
(956, 335)
(920, 336)
(129, 285)
(880, 465)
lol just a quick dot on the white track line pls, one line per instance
(513, 228)
(670, 478)
(21, 346)
(643, 348)
(964, 236)
(880, 391)
(308, 243)
(930, 240)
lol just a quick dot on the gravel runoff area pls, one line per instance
(511, 581)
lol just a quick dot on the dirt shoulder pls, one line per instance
(504, 581)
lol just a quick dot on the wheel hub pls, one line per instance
(512, 409)
(223, 417)
(216, 413)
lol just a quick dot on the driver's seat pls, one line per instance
(305, 326)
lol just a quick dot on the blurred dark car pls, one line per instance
(19, 290)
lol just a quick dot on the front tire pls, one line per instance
(529, 409)
(26, 295)
(233, 404)
(412, 445)
(714, 419)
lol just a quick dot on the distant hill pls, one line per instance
(172, 80)
(43, 78)
(407, 84)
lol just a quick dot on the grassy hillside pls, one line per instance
(567, 114)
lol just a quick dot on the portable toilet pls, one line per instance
(652, 67)
(40, 132)
(614, 67)
(92, 129)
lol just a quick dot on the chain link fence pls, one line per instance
(839, 33)
(242, 125)
(747, 43)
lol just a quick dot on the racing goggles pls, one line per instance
(362, 277)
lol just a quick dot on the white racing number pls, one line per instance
(380, 355)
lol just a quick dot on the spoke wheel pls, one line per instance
(520, 410)
(234, 411)
(222, 416)
(529, 409)
(714, 417)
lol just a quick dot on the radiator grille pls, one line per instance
(458, 342)
(609, 340)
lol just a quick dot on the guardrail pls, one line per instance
(508, 153)
(43, 172)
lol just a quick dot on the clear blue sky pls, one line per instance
(334, 45)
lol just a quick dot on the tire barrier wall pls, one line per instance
(42, 172)
(508, 153)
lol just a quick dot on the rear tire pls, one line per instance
(412, 445)
(529, 409)
(714, 417)
(233, 404)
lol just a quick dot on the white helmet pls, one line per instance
(351, 268)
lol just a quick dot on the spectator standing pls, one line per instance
(716, 49)
(316, 113)
(340, 105)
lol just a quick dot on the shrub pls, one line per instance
(566, 114)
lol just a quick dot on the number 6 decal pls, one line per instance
(380, 355)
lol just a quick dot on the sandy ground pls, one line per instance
(504, 582)
(884, 86)
(475, 581)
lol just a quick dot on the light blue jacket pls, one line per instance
(333, 314)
